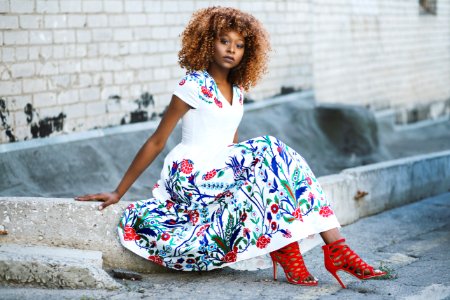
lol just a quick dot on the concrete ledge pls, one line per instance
(53, 267)
(387, 184)
(67, 223)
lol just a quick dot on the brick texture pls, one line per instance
(91, 62)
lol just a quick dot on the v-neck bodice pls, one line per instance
(211, 123)
(219, 93)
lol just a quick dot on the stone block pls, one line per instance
(44, 100)
(15, 37)
(84, 36)
(41, 37)
(47, 6)
(22, 70)
(64, 36)
(78, 21)
(134, 6)
(4, 6)
(55, 21)
(113, 6)
(53, 267)
(67, 97)
(70, 6)
(9, 22)
(102, 35)
(10, 87)
(34, 85)
(92, 6)
(95, 21)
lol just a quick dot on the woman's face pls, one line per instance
(228, 49)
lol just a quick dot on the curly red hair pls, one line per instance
(207, 24)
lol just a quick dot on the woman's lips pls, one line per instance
(228, 59)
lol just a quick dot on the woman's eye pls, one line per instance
(240, 46)
(224, 41)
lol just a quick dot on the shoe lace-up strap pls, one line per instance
(344, 257)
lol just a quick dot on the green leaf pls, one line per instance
(220, 174)
(302, 202)
(288, 219)
(249, 188)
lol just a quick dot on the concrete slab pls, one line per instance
(67, 223)
(412, 240)
(53, 267)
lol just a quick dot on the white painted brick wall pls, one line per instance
(72, 56)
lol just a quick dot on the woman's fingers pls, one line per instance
(107, 203)
(107, 198)
(91, 197)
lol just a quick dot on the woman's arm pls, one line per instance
(146, 155)
(235, 139)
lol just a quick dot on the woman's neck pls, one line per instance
(219, 75)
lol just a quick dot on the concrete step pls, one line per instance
(53, 267)
(37, 221)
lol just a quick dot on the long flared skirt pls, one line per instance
(247, 200)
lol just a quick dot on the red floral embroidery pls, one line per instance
(130, 234)
(156, 186)
(186, 166)
(244, 217)
(201, 231)
(131, 206)
(190, 261)
(210, 175)
(308, 180)
(223, 195)
(156, 259)
(274, 208)
(262, 242)
(169, 204)
(193, 216)
(230, 256)
(325, 211)
(298, 214)
(206, 92)
(165, 236)
(245, 231)
(273, 225)
(217, 102)
(183, 81)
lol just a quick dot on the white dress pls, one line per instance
(216, 202)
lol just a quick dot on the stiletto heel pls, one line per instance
(275, 266)
(291, 260)
(339, 257)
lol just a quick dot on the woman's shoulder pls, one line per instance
(193, 77)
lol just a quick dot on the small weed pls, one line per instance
(390, 272)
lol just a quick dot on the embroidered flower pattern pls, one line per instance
(208, 90)
(211, 217)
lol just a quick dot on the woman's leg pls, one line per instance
(331, 236)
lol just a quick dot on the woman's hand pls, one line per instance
(107, 198)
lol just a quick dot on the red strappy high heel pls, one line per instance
(338, 256)
(291, 260)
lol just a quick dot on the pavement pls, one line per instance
(411, 241)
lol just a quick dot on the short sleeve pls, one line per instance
(187, 90)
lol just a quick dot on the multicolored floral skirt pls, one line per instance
(259, 197)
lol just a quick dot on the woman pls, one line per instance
(218, 200)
